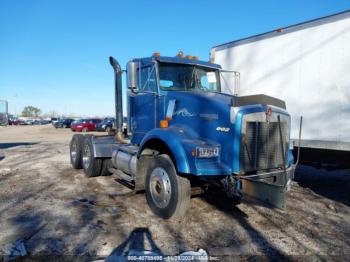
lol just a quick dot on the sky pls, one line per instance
(54, 54)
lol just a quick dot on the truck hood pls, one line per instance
(204, 112)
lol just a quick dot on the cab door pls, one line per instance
(143, 104)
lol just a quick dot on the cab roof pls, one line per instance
(176, 60)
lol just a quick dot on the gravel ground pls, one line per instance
(57, 212)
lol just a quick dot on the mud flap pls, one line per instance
(270, 188)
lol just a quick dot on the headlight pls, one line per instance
(207, 152)
(103, 126)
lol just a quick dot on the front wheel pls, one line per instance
(168, 194)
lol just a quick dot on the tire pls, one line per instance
(106, 164)
(75, 151)
(168, 194)
(91, 165)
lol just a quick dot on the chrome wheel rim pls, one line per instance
(73, 152)
(160, 187)
(86, 157)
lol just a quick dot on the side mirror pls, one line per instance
(132, 76)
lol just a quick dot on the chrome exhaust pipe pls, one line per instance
(118, 101)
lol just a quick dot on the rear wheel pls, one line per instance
(75, 148)
(106, 165)
(167, 193)
(92, 166)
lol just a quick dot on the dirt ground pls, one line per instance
(58, 212)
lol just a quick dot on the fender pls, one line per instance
(173, 137)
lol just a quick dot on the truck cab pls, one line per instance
(182, 127)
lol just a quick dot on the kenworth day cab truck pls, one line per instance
(184, 131)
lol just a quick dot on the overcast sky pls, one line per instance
(54, 54)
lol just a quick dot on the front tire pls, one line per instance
(168, 194)
(75, 151)
(91, 165)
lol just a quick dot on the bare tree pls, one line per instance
(31, 111)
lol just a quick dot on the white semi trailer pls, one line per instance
(308, 66)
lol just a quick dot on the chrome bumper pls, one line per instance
(270, 187)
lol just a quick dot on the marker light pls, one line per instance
(180, 54)
(156, 54)
(279, 30)
(164, 123)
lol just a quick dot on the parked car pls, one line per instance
(64, 123)
(106, 124)
(16, 122)
(54, 120)
(85, 125)
(29, 122)
(41, 122)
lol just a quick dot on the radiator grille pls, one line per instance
(261, 146)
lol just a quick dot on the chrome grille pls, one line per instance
(261, 145)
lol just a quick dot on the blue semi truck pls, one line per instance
(184, 132)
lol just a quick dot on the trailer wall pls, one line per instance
(306, 65)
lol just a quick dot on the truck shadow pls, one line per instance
(332, 184)
(139, 240)
(220, 201)
(10, 145)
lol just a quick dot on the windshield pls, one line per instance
(188, 78)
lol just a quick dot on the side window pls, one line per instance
(148, 79)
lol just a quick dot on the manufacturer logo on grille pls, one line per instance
(268, 114)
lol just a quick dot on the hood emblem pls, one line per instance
(184, 113)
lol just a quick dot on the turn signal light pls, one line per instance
(164, 123)
(156, 54)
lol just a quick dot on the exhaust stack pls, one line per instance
(118, 100)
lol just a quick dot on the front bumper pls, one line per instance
(270, 187)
